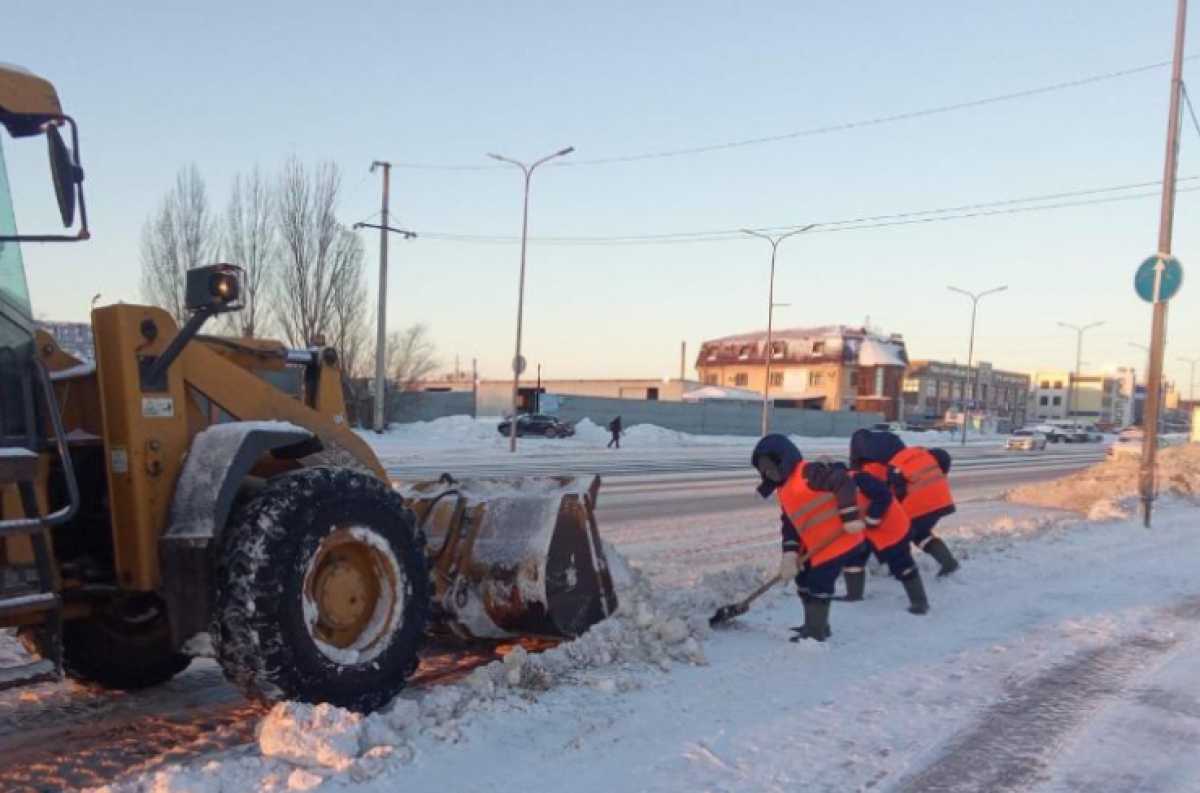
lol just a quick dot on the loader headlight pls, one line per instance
(216, 288)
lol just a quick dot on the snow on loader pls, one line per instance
(184, 484)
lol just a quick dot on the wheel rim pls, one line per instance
(353, 595)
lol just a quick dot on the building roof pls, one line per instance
(824, 344)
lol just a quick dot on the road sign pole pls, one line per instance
(1146, 484)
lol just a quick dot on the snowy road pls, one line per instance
(74, 736)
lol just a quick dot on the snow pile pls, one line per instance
(1106, 490)
(300, 746)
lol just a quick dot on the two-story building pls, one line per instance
(835, 367)
(935, 389)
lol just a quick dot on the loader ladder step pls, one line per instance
(18, 466)
(29, 674)
(34, 602)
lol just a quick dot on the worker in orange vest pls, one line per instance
(820, 518)
(888, 538)
(918, 478)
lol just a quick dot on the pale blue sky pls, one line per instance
(156, 85)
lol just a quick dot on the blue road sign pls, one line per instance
(1158, 279)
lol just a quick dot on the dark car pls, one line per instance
(538, 424)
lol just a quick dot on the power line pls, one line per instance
(813, 131)
(1059, 200)
(1191, 110)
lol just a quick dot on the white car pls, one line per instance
(1026, 441)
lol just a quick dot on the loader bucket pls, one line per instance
(515, 557)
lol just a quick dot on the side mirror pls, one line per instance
(65, 174)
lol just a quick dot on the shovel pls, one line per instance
(726, 613)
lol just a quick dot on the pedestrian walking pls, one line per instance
(820, 517)
(614, 427)
(918, 479)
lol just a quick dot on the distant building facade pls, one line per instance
(75, 338)
(834, 367)
(934, 390)
(1088, 398)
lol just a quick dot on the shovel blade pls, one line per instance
(726, 613)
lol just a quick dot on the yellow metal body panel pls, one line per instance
(147, 434)
(24, 93)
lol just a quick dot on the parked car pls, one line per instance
(888, 426)
(1053, 433)
(538, 424)
(1026, 440)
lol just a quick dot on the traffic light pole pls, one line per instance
(1158, 330)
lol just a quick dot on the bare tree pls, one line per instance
(178, 236)
(314, 258)
(348, 331)
(250, 240)
(411, 356)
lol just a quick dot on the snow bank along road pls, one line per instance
(724, 458)
(675, 526)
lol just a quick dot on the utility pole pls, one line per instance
(1166, 220)
(682, 362)
(969, 385)
(766, 400)
(537, 394)
(518, 363)
(381, 312)
(474, 388)
(1073, 391)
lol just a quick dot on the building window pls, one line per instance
(1045, 384)
(879, 381)
(742, 379)
(1044, 401)
(711, 379)
(912, 385)
(1058, 383)
(778, 349)
(776, 379)
(944, 389)
(818, 348)
(744, 352)
(854, 378)
(1057, 401)
(816, 378)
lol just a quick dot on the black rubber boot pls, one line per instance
(918, 603)
(938, 550)
(816, 621)
(856, 584)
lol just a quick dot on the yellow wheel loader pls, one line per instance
(181, 485)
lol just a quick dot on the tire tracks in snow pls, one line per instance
(1016, 739)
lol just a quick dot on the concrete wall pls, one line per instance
(405, 407)
(713, 417)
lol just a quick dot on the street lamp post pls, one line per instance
(1073, 391)
(528, 171)
(972, 384)
(771, 311)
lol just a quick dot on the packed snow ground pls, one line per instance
(1061, 657)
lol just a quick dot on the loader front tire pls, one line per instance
(322, 591)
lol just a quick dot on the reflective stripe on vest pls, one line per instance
(816, 517)
(928, 489)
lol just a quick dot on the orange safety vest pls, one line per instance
(891, 530)
(815, 515)
(928, 489)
